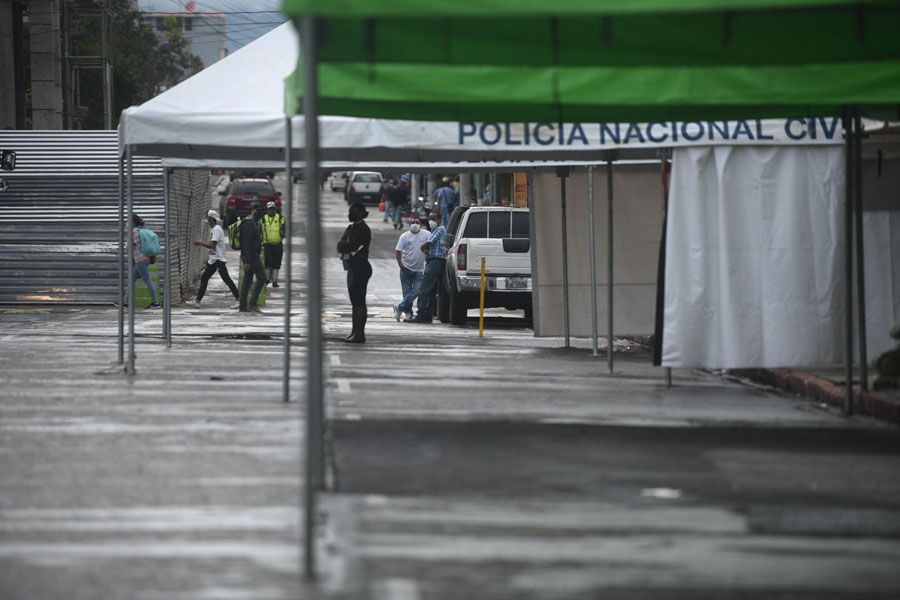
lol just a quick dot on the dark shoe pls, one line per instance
(358, 336)
(154, 305)
(418, 320)
(244, 310)
(274, 284)
(254, 309)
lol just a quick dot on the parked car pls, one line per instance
(242, 195)
(338, 180)
(500, 234)
(364, 186)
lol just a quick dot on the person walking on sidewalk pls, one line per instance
(436, 252)
(354, 250)
(251, 246)
(411, 260)
(217, 260)
(141, 261)
(273, 236)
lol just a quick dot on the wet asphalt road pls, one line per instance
(460, 467)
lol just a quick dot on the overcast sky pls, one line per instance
(247, 19)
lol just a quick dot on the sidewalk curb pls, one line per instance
(824, 390)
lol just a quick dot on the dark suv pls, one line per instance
(242, 195)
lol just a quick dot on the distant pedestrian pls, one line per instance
(411, 260)
(445, 198)
(141, 261)
(273, 246)
(217, 259)
(397, 198)
(251, 263)
(435, 253)
(354, 250)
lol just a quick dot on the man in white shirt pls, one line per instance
(411, 260)
(217, 260)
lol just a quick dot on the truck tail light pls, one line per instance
(232, 202)
(461, 258)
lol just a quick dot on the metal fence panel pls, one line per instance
(59, 217)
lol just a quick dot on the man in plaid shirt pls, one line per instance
(435, 251)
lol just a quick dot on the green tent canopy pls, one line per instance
(589, 60)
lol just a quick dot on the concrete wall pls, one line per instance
(46, 85)
(637, 220)
(7, 68)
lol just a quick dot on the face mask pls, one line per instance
(415, 227)
(432, 224)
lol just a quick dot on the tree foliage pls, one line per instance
(143, 64)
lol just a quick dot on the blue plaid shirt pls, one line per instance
(437, 248)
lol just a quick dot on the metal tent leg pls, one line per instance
(593, 262)
(129, 178)
(609, 264)
(563, 173)
(860, 252)
(287, 210)
(121, 291)
(167, 268)
(848, 260)
(314, 416)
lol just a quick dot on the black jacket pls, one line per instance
(251, 239)
(355, 242)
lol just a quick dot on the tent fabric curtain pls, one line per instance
(588, 61)
(754, 252)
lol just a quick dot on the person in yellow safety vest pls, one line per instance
(273, 235)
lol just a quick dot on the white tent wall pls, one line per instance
(754, 266)
(638, 214)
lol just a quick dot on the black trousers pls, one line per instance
(273, 253)
(357, 282)
(253, 268)
(219, 266)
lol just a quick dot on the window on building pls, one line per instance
(188, 24)
(160, 23)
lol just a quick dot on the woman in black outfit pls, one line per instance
(354, 250)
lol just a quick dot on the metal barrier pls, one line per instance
(59, 221)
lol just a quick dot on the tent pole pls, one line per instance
(609, 262)
(287, 209)
(593, 245)
(129, 178)
(563, 173)
(167, 279)
(860, 252)
(121, 292)
(848, 260)
(314, 296)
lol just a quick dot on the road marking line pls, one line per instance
(335, 360)
(343, 386)
(397, 589)
(353, 417)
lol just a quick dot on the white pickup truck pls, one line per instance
(500, 234)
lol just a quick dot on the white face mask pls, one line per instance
(432, 224)
(415, 227)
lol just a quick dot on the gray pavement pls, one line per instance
(460, 467)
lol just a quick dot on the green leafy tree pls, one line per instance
(143, 64)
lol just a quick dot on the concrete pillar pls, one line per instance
(479, 188)
(430, 184)
(46, 87)
(465, 189)
(7, 68)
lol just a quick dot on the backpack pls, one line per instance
(234, 234)
(149, 245)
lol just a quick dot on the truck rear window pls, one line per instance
(498, 224)
(521, 226)
(476, 227)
